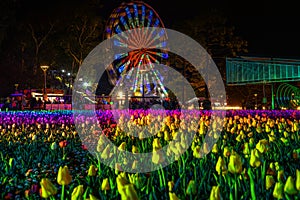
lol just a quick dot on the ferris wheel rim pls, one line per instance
(116, 12)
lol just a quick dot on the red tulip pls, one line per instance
(8, 196)
(84, 147)
(63, 143)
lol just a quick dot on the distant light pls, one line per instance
(120, 93)
(69, 74)
(63, 71)
(227, 108)
(298, 108)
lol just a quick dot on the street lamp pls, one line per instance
(16, 87)
(44, 68)
(255, 101)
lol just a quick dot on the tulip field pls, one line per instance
(256, 156)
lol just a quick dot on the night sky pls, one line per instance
(270, 27)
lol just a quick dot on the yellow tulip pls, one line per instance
(170, 185)
(298, 179)
(202, 128)
(136, 180)
(156, 144)
(118, 168)
(285, 134)
(271, 138)
(167, 136)
(63, 176)
(105, 184)
(233, 130)
(278, 190)
(158, 157)
(272, 166)
(269, 181)
(235, 164)
(176, 136)
(215, 149)
(296, 126)
(246, 149)
(258, 128)
(134, 164)
(47, 188)
(205, 148)
(191, 188)
(289, 186)
(173, 196)
(272, 133)
(196, 152)
(92, 197)
(77, 192)
(226, 152)
(215, 193)
(252, 142)
(284, 140)
(255, 158)
(183, 142)
(122, 146)
(106, 152)
(121, 180)
(239, 137)
(277, 166)
(280, 175)
(128, 192)
(92, 170)
(134, 149)
(268, 130)
(262, 145)
(250, 134)
(221, 167)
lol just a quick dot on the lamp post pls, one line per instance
(44, 68)
(16, 87)
(255, 101)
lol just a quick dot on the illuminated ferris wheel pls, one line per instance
(136, 19)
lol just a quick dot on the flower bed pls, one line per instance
(255, 157)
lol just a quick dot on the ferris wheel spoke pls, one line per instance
(136, 15)
(124, 23)
(129, 17)
(150, 18)
(143, 16)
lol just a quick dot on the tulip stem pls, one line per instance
(252, 184)
(63, 153)
(263, 171)
(235, 187)
(62, 192)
